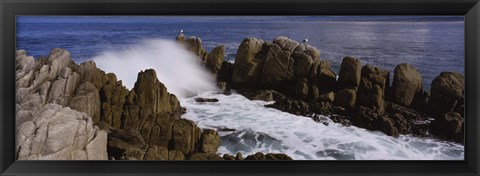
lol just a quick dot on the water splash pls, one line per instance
(255, 128)
(177, 68)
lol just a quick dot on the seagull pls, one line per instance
(181, 31)
(305, 41)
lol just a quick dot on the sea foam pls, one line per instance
(177, 68)
(251, 128)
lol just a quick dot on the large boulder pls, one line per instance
(407, 85)
(278, 65)
(194, 45)
(248, 66)
(346, 98)
(447, 93)
(449, 126)
(372, 89)
(326, 78)
(350, 72)
(215, 59)
(209, 142)
(60, 133)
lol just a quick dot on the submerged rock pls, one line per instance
(203, 100)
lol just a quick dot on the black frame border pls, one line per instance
(9, 9)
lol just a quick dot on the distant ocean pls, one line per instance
(432, 44)
(127, 44)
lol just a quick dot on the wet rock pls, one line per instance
(239, 156)
(228, 157)
(297, 107)
(203, 100)
(350, 72)
(268, 156)
(301, 88)
(447, 93)
(215, 59)
(346, 98)
(126, 144)
(156, 153)
(249, 61)
(326, 78)
(205, 156)
(372, 89)
(407, 85)
(209, 142)
(264, 95)
(225, 73)
(194, 45)
(449, 126)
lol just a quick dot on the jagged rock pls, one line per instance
(180, 38)
(215, 59)
(185, 136)
(239, 156)
(87, 100)
(370, 95)
(194, 45)
(301, 88)
(302, 64)
(449, 126)
(264, 95)
(407, 85)
(126, 144)
(148, 98)
(447, 93)
(203, 100)
(113, 97)
(38, 138)
(268, 156)
(326, 78)
(225, 73)
(278, 65)
(228, 157)
(24, 69)
(391, 124)
(175, 155)
(349, 75)
(346, 98)
(205, 156)
(249, 61)
(209, 142)
(297, 107)
(156, 153)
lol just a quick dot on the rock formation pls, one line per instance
(54, 110)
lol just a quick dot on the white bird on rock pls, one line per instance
(305, 41)
(181, 31)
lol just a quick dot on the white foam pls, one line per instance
(174, 65)
(260, 129)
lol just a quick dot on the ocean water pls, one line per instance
(255, 128)
(126, 45)
(431, 44)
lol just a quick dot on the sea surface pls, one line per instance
(126, 45)
(431, 44)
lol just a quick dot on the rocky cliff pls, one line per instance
(76, 111)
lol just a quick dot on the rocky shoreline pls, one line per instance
(293, 75)
(72, 111)
(68, 111)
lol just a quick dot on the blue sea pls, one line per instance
(126, 44)
(432, 44)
